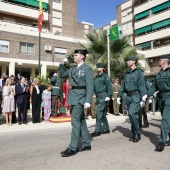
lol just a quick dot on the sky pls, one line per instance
(97, 12)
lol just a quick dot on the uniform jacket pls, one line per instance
(83, 76)
(162, 83)
(56, 83)
(133, 81)
(102, 84)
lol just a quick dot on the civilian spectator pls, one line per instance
(14, 118)
(35, 98)
(28, 97)
(46, 97)
(65, 88)
(21, 101)
(8, 107)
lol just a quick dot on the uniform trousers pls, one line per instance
(164, 105)
(133, 116)
(79, 127)
(101, 116)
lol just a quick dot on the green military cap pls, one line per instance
(100, 65)
(80, 51)
(132, 58)
(165, 56)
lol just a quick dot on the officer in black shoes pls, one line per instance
(103, 91)
(81, 81)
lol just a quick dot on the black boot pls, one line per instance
(135, 138)
(68, 152)
(160, 147)
(95, 133)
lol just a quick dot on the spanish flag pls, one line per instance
(40, 17)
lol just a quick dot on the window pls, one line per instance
(26, 48)
(58, 1)
(126, 26)
(60, 52)
(126, 12)
(4, 46)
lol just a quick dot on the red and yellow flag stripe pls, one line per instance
(40, 17)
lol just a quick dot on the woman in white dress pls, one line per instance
(9, 102)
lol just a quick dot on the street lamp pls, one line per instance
(20, 64)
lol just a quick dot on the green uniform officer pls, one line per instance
(55, 90)
(81, 81)
(116, 87)
(162, 87)
(103, 91)
(134, 86)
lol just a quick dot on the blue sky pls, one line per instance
(97, 12)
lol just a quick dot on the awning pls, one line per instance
(142, 15)
(143, 30)
(161, 24)
(161, 7)
(32, 3)
(144, 45)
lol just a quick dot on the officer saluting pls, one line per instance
(103, 91)
(134, 86)
(81, 90)
(162, 85)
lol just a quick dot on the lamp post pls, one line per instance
(20, 64)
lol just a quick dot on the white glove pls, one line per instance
(154, 95)
(86, 105)
(107, 98)
(65, 60)
(142, 104)
(118, 100)
(144, 97)
(113, 99)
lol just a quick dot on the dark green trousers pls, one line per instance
(79, 127)
(101, 117)
(164, 105)
(133, 116)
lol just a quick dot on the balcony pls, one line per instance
(155, 52)
(153, 19)
(153, 35)
(147, 5)
(128, 31)
(126, 5)
(20, 10)
(127, 18)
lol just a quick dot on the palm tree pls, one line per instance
(119, 51)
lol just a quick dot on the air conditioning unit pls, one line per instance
(48, 48)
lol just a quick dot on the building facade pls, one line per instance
(19, 36)
(147, 23)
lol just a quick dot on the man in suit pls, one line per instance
(21, 101)
(81, 81)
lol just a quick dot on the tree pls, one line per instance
(119, 51)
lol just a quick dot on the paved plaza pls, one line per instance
(38, 147)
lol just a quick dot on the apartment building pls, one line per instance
(152, 30)
(19, 36)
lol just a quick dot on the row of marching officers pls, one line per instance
(83, 85)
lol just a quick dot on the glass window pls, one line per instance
(26, 48)
(60, 52)
(58, 1)
(4, 46)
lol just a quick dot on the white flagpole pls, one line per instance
(108, 49)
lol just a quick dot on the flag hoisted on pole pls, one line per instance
(40, 19)
(40, 16)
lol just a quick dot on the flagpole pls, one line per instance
(39, 57)
(108, 50)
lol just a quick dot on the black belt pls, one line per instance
(132, 92)
(100, 94)
(163, 94)
(77, 87)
